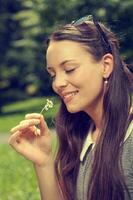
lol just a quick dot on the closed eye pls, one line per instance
(51, 74)
(52, 77)
(69, 70)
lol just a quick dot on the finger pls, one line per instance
(15, 138)
(17, 141)
(17, 128)
(25, 124)
(33, 115)
(35, 130)
(43, 126)
(18, 136)
(32, 130)
(30, 122)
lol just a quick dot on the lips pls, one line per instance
(68, 96)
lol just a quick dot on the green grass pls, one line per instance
(15, 112)
(17, 177)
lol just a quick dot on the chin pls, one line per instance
(73, 109)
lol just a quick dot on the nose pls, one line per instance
(59, 82)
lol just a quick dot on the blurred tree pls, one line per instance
(8, 30)
(25, 26)
(117, 14)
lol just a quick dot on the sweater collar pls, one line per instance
(89, 141)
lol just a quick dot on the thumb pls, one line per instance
(43, 126)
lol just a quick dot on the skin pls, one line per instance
(73, 69)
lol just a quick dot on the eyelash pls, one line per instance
(66, 71)
(70, 70)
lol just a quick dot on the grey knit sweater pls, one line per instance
(127, 163)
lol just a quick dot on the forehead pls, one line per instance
(65, 50)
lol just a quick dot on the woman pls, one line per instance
(94, 123)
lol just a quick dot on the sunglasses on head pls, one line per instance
(102, 35)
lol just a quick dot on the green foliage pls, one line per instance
(17, 177)
(25, 26)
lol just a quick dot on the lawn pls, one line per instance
(15, 112)
(17, 177)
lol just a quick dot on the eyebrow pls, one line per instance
(62, 63)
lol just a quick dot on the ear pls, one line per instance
(107, 66)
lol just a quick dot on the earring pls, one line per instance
(106, 81)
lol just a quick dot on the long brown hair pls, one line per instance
(72, 129)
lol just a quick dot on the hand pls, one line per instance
(31, 142)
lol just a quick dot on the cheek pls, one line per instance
(95, 88)
(76, 79)
(93, 81)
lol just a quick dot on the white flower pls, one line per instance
(49, 104)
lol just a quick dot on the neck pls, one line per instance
(96, 114)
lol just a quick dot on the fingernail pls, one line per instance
(12, 130)
(37, 121)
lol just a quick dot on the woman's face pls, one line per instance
(77, 77)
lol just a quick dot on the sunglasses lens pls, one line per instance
(103, 36)
(83, 19)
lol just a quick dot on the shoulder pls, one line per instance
(129, 133)
(127, 155)
(128, 141)
(127, 158)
